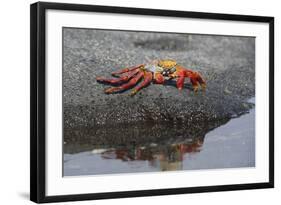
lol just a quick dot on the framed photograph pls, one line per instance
(129, 102)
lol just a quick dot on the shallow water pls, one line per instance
(231, 145)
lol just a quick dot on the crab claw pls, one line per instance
(195, 78)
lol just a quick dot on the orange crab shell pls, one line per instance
(167, 64)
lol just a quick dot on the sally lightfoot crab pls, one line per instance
(158, 72)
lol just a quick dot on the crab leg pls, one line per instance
(125, 70)
(122, 78)
(180, 80)
(158, 78)
(125, 86)
(201, 81)
(147, 80)
(197, 80)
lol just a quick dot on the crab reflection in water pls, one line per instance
(164, 157)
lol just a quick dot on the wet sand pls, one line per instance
(226, 62)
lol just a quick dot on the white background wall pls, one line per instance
(14, 101)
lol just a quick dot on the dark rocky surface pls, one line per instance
(226, 63)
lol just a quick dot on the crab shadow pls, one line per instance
(171, 83)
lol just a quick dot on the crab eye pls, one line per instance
(165, 72)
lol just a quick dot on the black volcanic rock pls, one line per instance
(226, 62)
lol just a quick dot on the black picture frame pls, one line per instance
(38, 100)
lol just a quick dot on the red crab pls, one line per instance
(158, 72)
